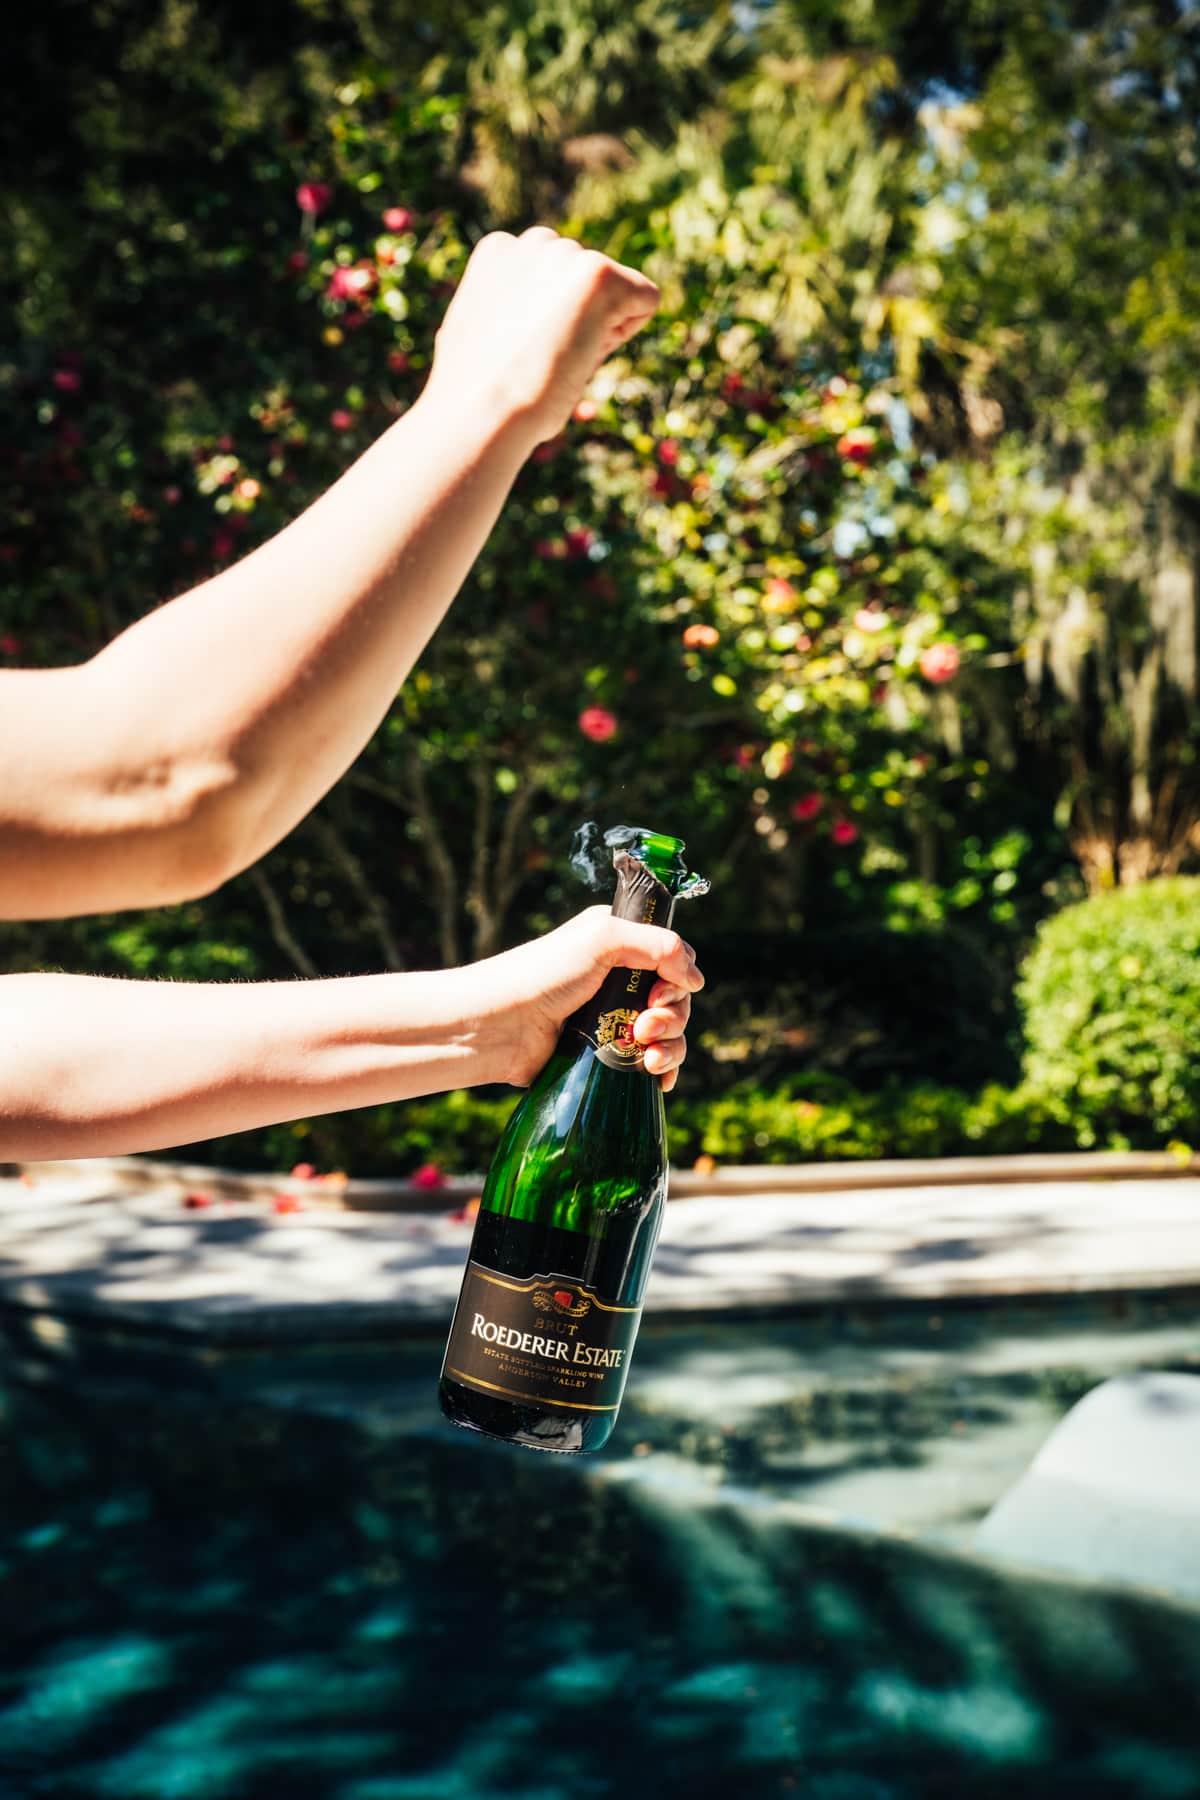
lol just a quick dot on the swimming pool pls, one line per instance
(279, 1573)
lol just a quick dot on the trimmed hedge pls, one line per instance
(1111, 999)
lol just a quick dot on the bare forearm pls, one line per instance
(282, 667)
(92, 1067)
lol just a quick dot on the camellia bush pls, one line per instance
(782, 586)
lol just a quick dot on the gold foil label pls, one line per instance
(547, 1341)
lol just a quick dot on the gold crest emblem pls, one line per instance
(614, 1033)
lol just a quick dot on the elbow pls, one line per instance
(181, 830)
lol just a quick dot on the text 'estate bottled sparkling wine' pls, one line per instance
(544, 1328)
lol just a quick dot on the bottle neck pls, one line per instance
(606, 1020)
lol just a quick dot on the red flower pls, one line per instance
(940, 662)
(197, 1202)
(10, 645)
(312, 197)
(351, 284)
(597, 723)
(287, 1203)
(843, 831)
(341, 420)
(428, 1176)
(223, 545)
(580, 541)
(701, 637)
(549, 448)
(807, 807)
(398, 362)
(297, 260)
(668, 452)
(67, 381)
(303, 1172)
(553, 548)
(746, 755)
(855, 446)
(398, 218)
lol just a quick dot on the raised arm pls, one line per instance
(92, 1067)
(199, 737)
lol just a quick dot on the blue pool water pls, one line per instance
(260, 1574)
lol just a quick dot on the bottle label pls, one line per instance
(548, 1340)
(608, 1019)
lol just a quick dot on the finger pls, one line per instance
(667, 1082)
(660, 1059)
(663, 994)
(660, 1022)
(543, 234)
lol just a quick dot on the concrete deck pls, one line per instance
(74, 1243)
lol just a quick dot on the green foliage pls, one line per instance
(1111, 997)
(826, 1119)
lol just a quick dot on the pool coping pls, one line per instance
(365, 1194)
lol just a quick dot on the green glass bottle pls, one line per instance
(550, 1302)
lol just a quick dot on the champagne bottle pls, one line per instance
(550, 1302)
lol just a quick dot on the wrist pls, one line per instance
(487, 422)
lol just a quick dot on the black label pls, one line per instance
(546, 1341)
(607, 1020)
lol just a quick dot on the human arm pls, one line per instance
(201, 735)
(94, 1067)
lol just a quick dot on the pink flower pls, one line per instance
(303, 1172)
(297, 261)
(67, 381)
(807, 807)
(585, 412)
(780, 593)
(172, 495)
(287, 1203)
(312, 197)
(398, 362)
(428, 1176)
(668, 452)
(940, 662)
(701, 637)
(341, 420)
(397, 218)
(843, 831)
(597, 723)
(870, 619)
(352, 283)
(746, 755)
(580, 540)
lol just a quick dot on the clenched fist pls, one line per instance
(533, 318)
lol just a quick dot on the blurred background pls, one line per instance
(869, 568)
